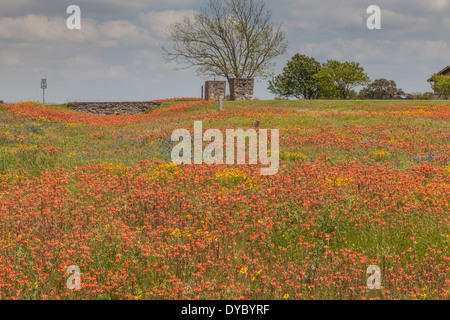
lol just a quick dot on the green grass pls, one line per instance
(333, 104)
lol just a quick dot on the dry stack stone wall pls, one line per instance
(112, 108)
(215, 89)
(436, 96)
(241, 89)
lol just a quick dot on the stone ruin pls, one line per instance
(215, 89)
(113, 108)
(241, 88)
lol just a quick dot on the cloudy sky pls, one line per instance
(116, 55)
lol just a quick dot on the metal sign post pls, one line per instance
(43, 87)
(220, 103)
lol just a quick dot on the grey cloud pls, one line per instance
(405, 19)
(158, 21)
(375, 51)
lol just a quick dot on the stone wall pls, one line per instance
(112, 108)
(435, 96)
(241, 89)
(215, 89)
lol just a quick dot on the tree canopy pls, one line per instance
(228, 38)
(337, 79)
(441, 85)
(297, 79)
(382, 89)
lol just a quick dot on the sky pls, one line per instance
(116, 55)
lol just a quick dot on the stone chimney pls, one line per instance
(215, 89)
(241, 89)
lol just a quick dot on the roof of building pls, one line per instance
(440, 72)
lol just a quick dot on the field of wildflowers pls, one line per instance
(359, 184)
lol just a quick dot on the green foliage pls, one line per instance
(337, 79)
(297, 79)
(353, 95)
(441, 85)
(382, 89)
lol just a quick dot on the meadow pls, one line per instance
(360, 183)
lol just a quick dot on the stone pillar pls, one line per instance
(241, 89)
(215, 89)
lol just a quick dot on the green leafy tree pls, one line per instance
(382, 89)
(228, 38)
(297, 79)
(441, 85)
(337, 79)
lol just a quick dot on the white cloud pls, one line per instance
(10, 59)
(153, 61)
(46, 44)
(94, 9)
(149, 59)
(372, 51)
(35, 28)
(120, 30)
(32, 27)
(158, 21)
(332, 19)
(319, 18)
(147, 30)
(89, 67)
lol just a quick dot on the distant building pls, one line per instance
(443, 72)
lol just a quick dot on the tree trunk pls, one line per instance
(229, 86)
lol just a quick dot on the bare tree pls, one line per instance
(229, 38)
